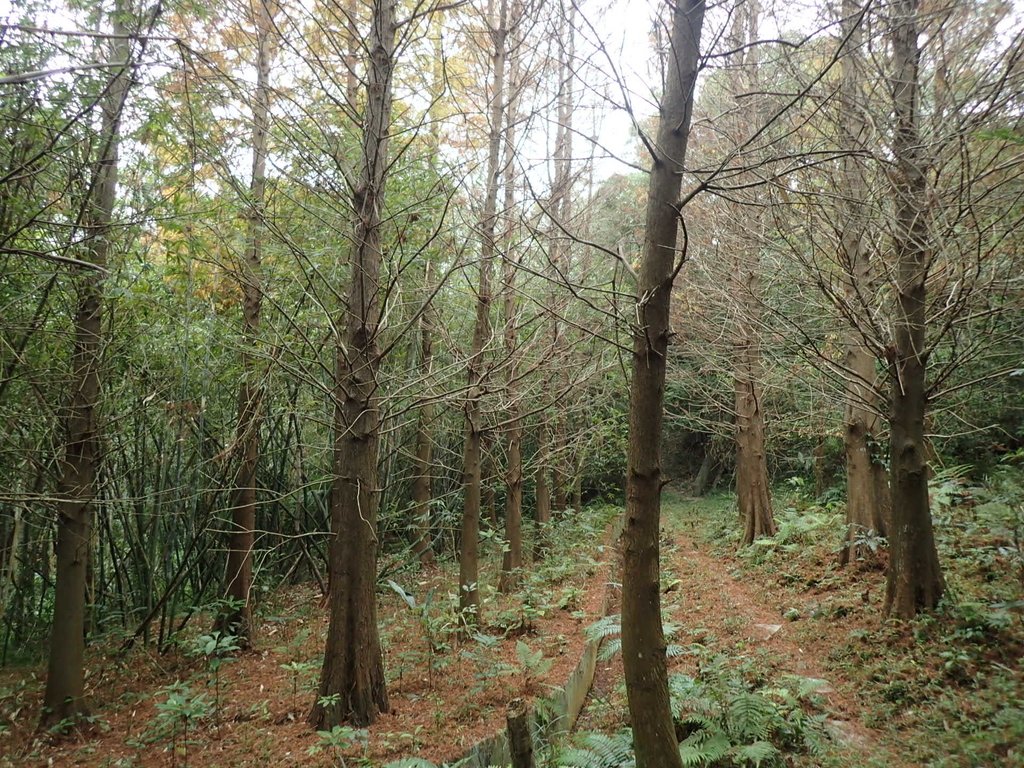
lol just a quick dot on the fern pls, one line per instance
(750, 716)
(598, 750)
(704, 748)
(758, 753)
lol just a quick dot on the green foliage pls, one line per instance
(533, 663)
(608, 629)
(180, 709)
(338, 739)
(597, 750)
(725, 722)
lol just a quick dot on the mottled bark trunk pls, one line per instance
(915, 579)
(469, 553)
(76, 489)
(352, 684)
(643, 640)
(237, 619)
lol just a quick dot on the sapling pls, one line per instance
(182, 707)
(215, 648)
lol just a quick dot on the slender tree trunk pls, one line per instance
(422, 487)
(752, 491)
(752, 488)
(643, 640)
(915, 579)
(469, 553)
(422, 472)
(867, 487)
(76, 490)
(352, 685)
(561, 210)
(512, 559)
(542, 492)
(237, 619)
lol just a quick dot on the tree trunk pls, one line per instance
(237, 618)
(643, 640)
(702, 483)
(915, 579)
(352, 685)
(469, 552)
(752, 493)
(561, 209)
(867, 488)
(752, 489)
(421, 484)
(543, 494)
(76, 490)
(512, 558)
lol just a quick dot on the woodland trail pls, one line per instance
(706, 598)
(749, 618)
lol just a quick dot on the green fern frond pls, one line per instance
(610, 648)
(704, 748)
(598, 750)
(749, 717)
(605, 627)
(757, 754)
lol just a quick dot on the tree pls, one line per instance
(643, 641)
(752, 484)
(237, 618)
(867, 489)
(77, 488)
(472, 462)
(914, 580)
(352, 685)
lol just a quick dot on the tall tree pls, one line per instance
(867, 488)
(77, 488)
(472, 462)
(915, 579)
(237, 618)
(512, 558)
(752, 487)
(643, 639)
(352, 685)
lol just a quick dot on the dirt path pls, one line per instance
(711, 603)
(743, 619)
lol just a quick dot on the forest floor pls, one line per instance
(249, 709)
(944, 690)
(780, 621)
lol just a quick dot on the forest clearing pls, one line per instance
(415, 383)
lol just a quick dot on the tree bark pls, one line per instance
(915, 579)
(469, 552)
(542, 492)
(422, 478)
(77, 488)
(520, 740)
(752, 488)
(352, 684)
(237, 618)
(643, 641)
(867, 487)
